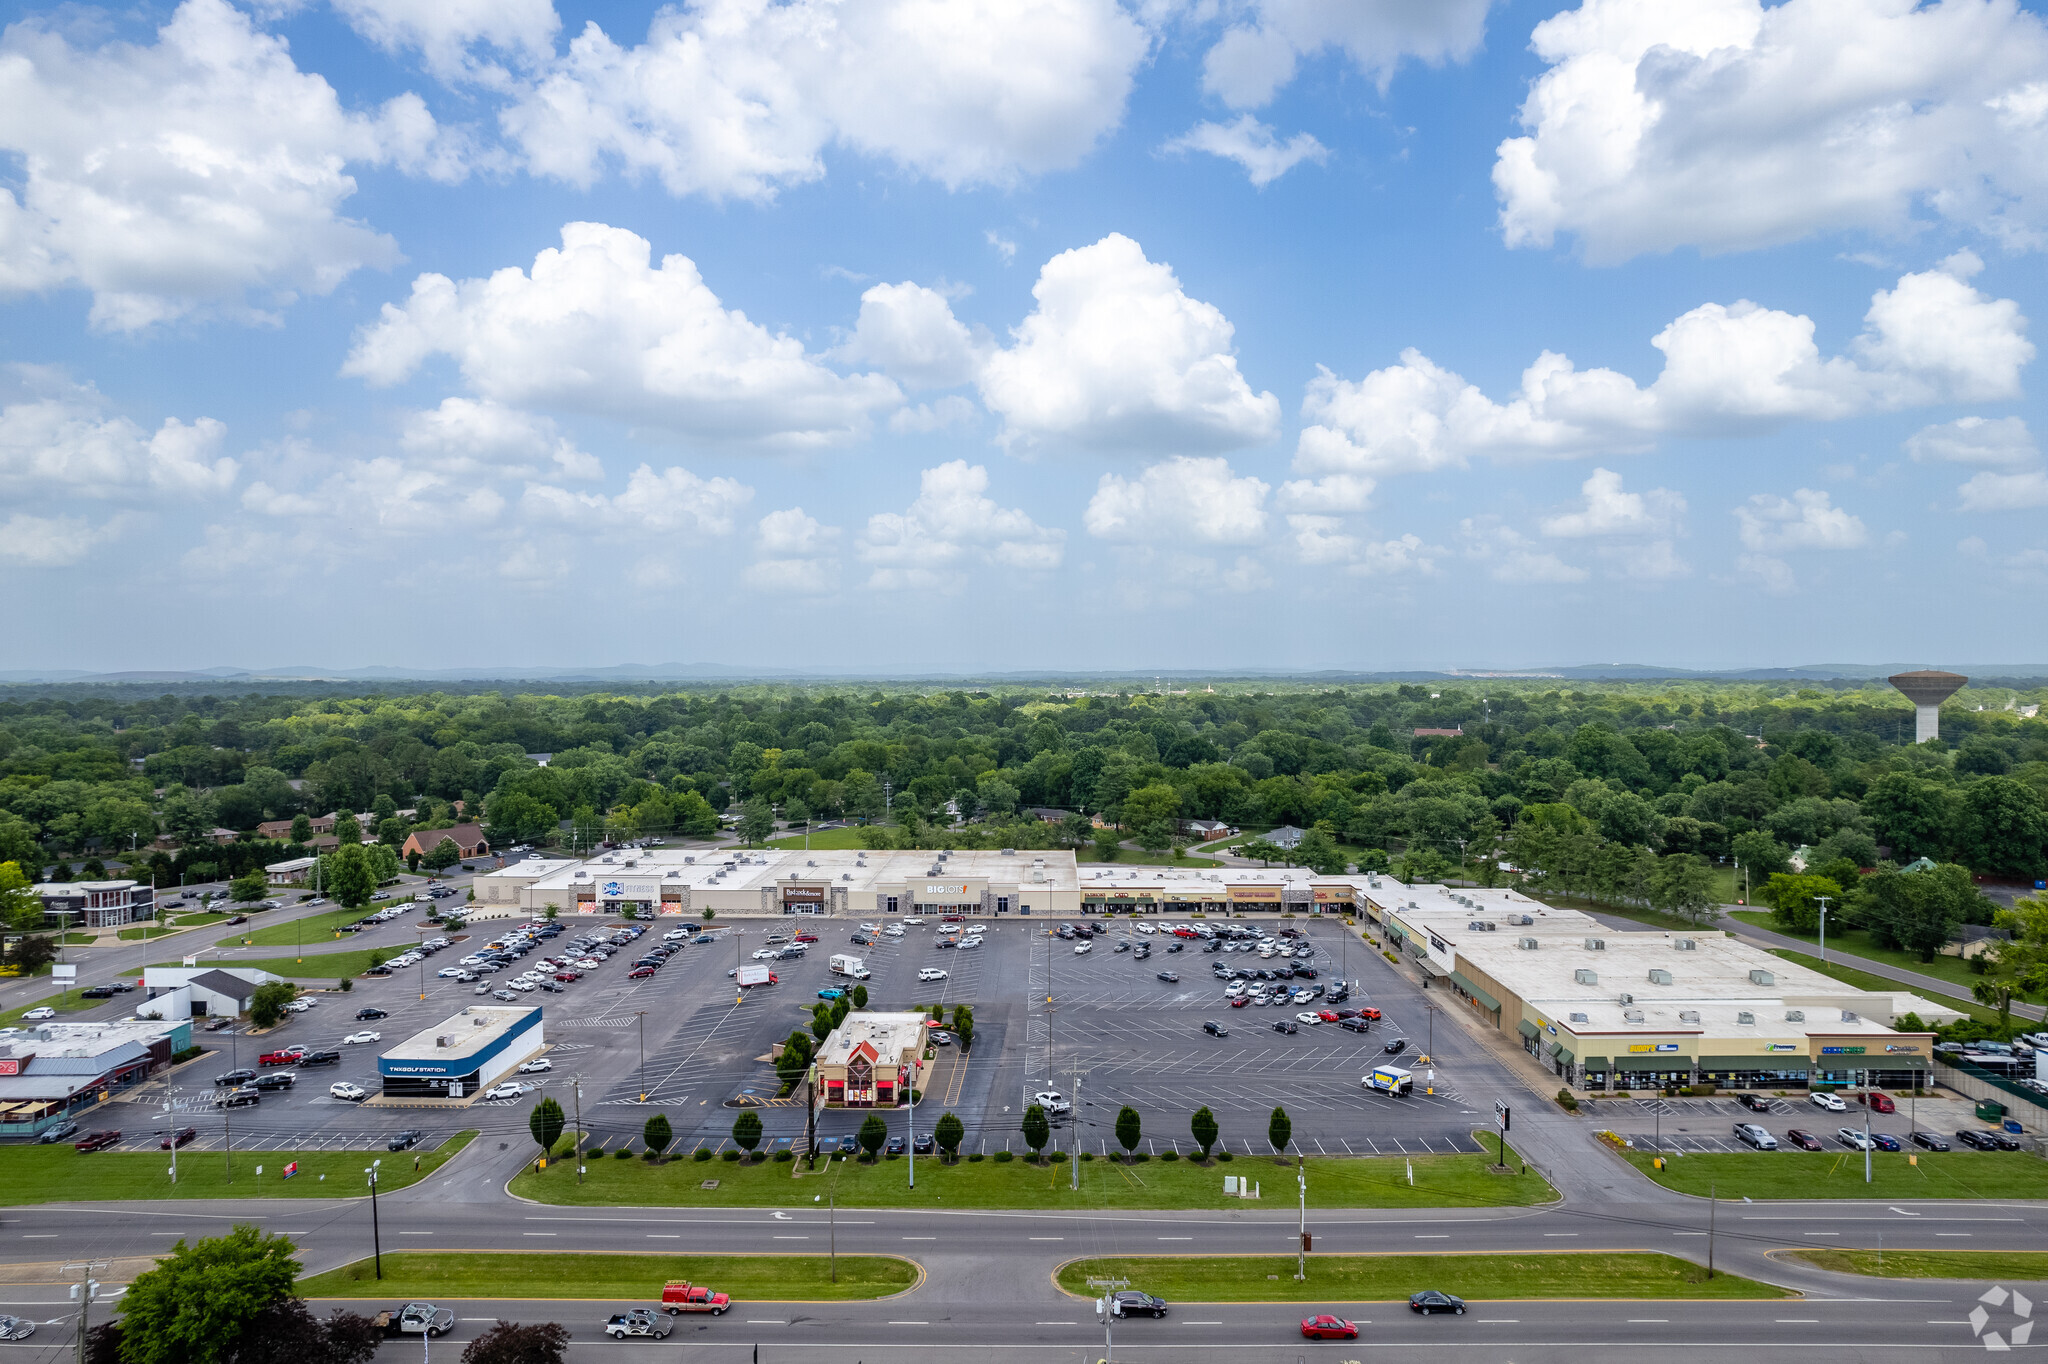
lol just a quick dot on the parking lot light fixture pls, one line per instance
(376, 1235)
(641, 1014)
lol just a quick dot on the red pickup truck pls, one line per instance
(288, 1057)
(679, 1296)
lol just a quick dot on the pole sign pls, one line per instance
(1500, 1115)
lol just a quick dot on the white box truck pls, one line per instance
(753, 973)
(843, 964)
(1390, 1080)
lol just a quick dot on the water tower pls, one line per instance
(1927, 690)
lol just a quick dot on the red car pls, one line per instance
(98, 1141)
(1328, 1015)
(640, 973)
(1880, 1103)
(179, 1137)
(805, 937)
(1803, 1139)
(1327, 1327)
(567, 976)
(678, 1297)
(288, 1057)
(951, 918)
(1240, 1001)
(1373, 1014)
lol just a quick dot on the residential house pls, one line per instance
(469, 840)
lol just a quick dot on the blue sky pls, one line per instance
(927, 335)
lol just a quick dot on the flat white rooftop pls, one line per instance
(475, 1028)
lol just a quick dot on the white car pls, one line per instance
(1822, 1099)
(536, 1066)
(1147, 929)
(1081, 949)
(893, 931)
(524, 987)
(1854, 1139)
(37, 1015)
(675, 935)
(768, 954)
(450, 973)
(299, 1006)
(364, 1036)
(870, 928)
(1051, 1100)
(1233, 990)
(1306, 1017)
(931, 973)
(342, 1089)
(511, 1089)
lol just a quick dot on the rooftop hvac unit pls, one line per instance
(846, 876)
(1584, 977)
(1631, 1015)
(1476, 927)
(810, 864)
(1795, 1015)
(1848, 1015)
(1009, 852)
(1523, 919)
(1688, 1016)
(1761, 977)
(1578, 1018)
(1491, 926)
(1627, 998)
(1686, 945)
(1746, 1018)
(1596, 944)
(691, 861)
(1659, 976)
(446, 1039)
(1527, 944)
(481, 1022)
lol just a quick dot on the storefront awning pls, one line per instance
(1526, 1028)
(1430, 968)
(1564, 1054)
(1596, 1063)
(1473, 990)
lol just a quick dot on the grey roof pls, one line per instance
(98, 1063)
(221, 983)
(22, 1088)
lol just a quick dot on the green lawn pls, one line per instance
(1950, 969)
(1863, 980)
(613, 1278)
(317, 928)
(828, 839)
(317, 965)
(1932, 1264)
(1831, 1174)
(1136, 858)
(199, 919)
(1333, 1182)
(1380, 1278)
(149, 932)
(138, 1168)
(62, 1003)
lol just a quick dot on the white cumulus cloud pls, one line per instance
(1609, 510)
(1994, 442)
(465, 436)
(449, 33)
(1253, 145)
(952, 522)
(1728, 369)
(1268, 39)
(1180, 499)
(596, 328)
(201, 173)
(1728, 124)
(2005, 492)
(53, 541)
(1118, 357)
(909, 332)
(798, 554)
(738, 98)
(667, 502)
(1512, 557)
(63, 442)
(1806, 520)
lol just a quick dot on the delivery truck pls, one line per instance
(1390, 1080)
(755, 974)
(843, 964)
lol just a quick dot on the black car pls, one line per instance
(1286, 1025)
(1131, 1303)
(553, 987)
(863, 940)
(367, 1014)
(1755, 1103)
(1170, 977)
(235, 1077)
(97, 992)
(1432, 1301)
(1355, 1024)
(895, 1147)
(849, 1144)
(276, 1079)
(1283, 973)
(1929, 1141)
(240, 1098)
(1123, 947)
(405, 1140)
(1396, 1047)
(320, 1058)
(1980, 1141)
(1215, 1029)
(922, 1143)
(1304, 973)
(120, 987)
(378, 971)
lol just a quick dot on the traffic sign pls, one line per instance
(1500, 1115)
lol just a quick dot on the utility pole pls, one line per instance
(1866, 1138)
(1077, 1126)
(576, 1085)
(83, 1292)
(1301, 1246)
(641, 1014)
(910, 1147)
(376, 1233)
(1710, 1229)
(1822, 901)
(1106, 1308)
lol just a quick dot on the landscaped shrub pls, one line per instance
(1170, 1155)
(1224, 1155)
(1085, 1155)
(1056, 1156)
(785, 1155)
(187, 1054)
(594, 1150)
(976, 1155)
(1142, 1156)
(622, 1154)
(1002, 1157)
(732, 1155)
(702, 1154)
(1566, 1101)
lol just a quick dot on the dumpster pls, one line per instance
(1990, 1110)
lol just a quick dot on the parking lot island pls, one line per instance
(614, 1278)
(1642, 1276)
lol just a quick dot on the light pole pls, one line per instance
(641, 1014)
(376, 1234)
(1822, 901)
(171, 1126)
(910, 1147)
(1301, 1246)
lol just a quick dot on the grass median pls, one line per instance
(1641, 1276)
(138, 1168)
(1931, 1264)
(613, 1278)
(314, 928)
(1825, 1174)
(1462, 1181)
(318, 965)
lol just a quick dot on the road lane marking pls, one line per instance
(1820, 1233)
(1173, 1238)
(1560, 1233)
(1048, 1238)
(1951, 1233)
(792, 1238)
(657, 1235)
(1076, 1323)
(764, 1321)
(1647, 1321)
(1433, 1236)
(40, 1235)
(402, 1233)
(920, 1238)
(537, 1233)
(1497, 1321)
(1798, 1321)
(910, 1323)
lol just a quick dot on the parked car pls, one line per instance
(97, 1141)
(364, 1036)
(1879, 1103)
(350, 1093)
(536, 1066)
(1853, 1138)
(51, 1136)
(1930, 1142)
(1755, 1103)
(179, 1138)
(1396, 1047)
(276, 1079)
(1756, 1136)
(1215, 1029)
(1803, 1139)
(1885, 1141)
(235, 1077)
(1286, 1025)
(1821, 1099)
(406, 1140)
(243, 1097)
(1430, 1300)
(511, 1089)
(38, 1014)
(366, 1014)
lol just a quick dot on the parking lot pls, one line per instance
(1707, 1126)
(692, 1043)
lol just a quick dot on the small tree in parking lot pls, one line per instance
(251, 885)
(860, 996)
(266, 1006)
(947, 1134)
(1128, 1129)
(546, 1123)
(1202, 1127)
(657, 1134)
(873, 1133)
(1037, 1131)
(746, 1131)
(840, 1006)
(821, 1021)
(1280, 1130)
(963, 1025)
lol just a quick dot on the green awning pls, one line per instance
(1564, 1054)
(1596, 1063)
(1473, 990)
(1526, 1028)
(1394, 929)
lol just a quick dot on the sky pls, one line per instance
(913, 336)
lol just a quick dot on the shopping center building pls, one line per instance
(1642, 1009)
